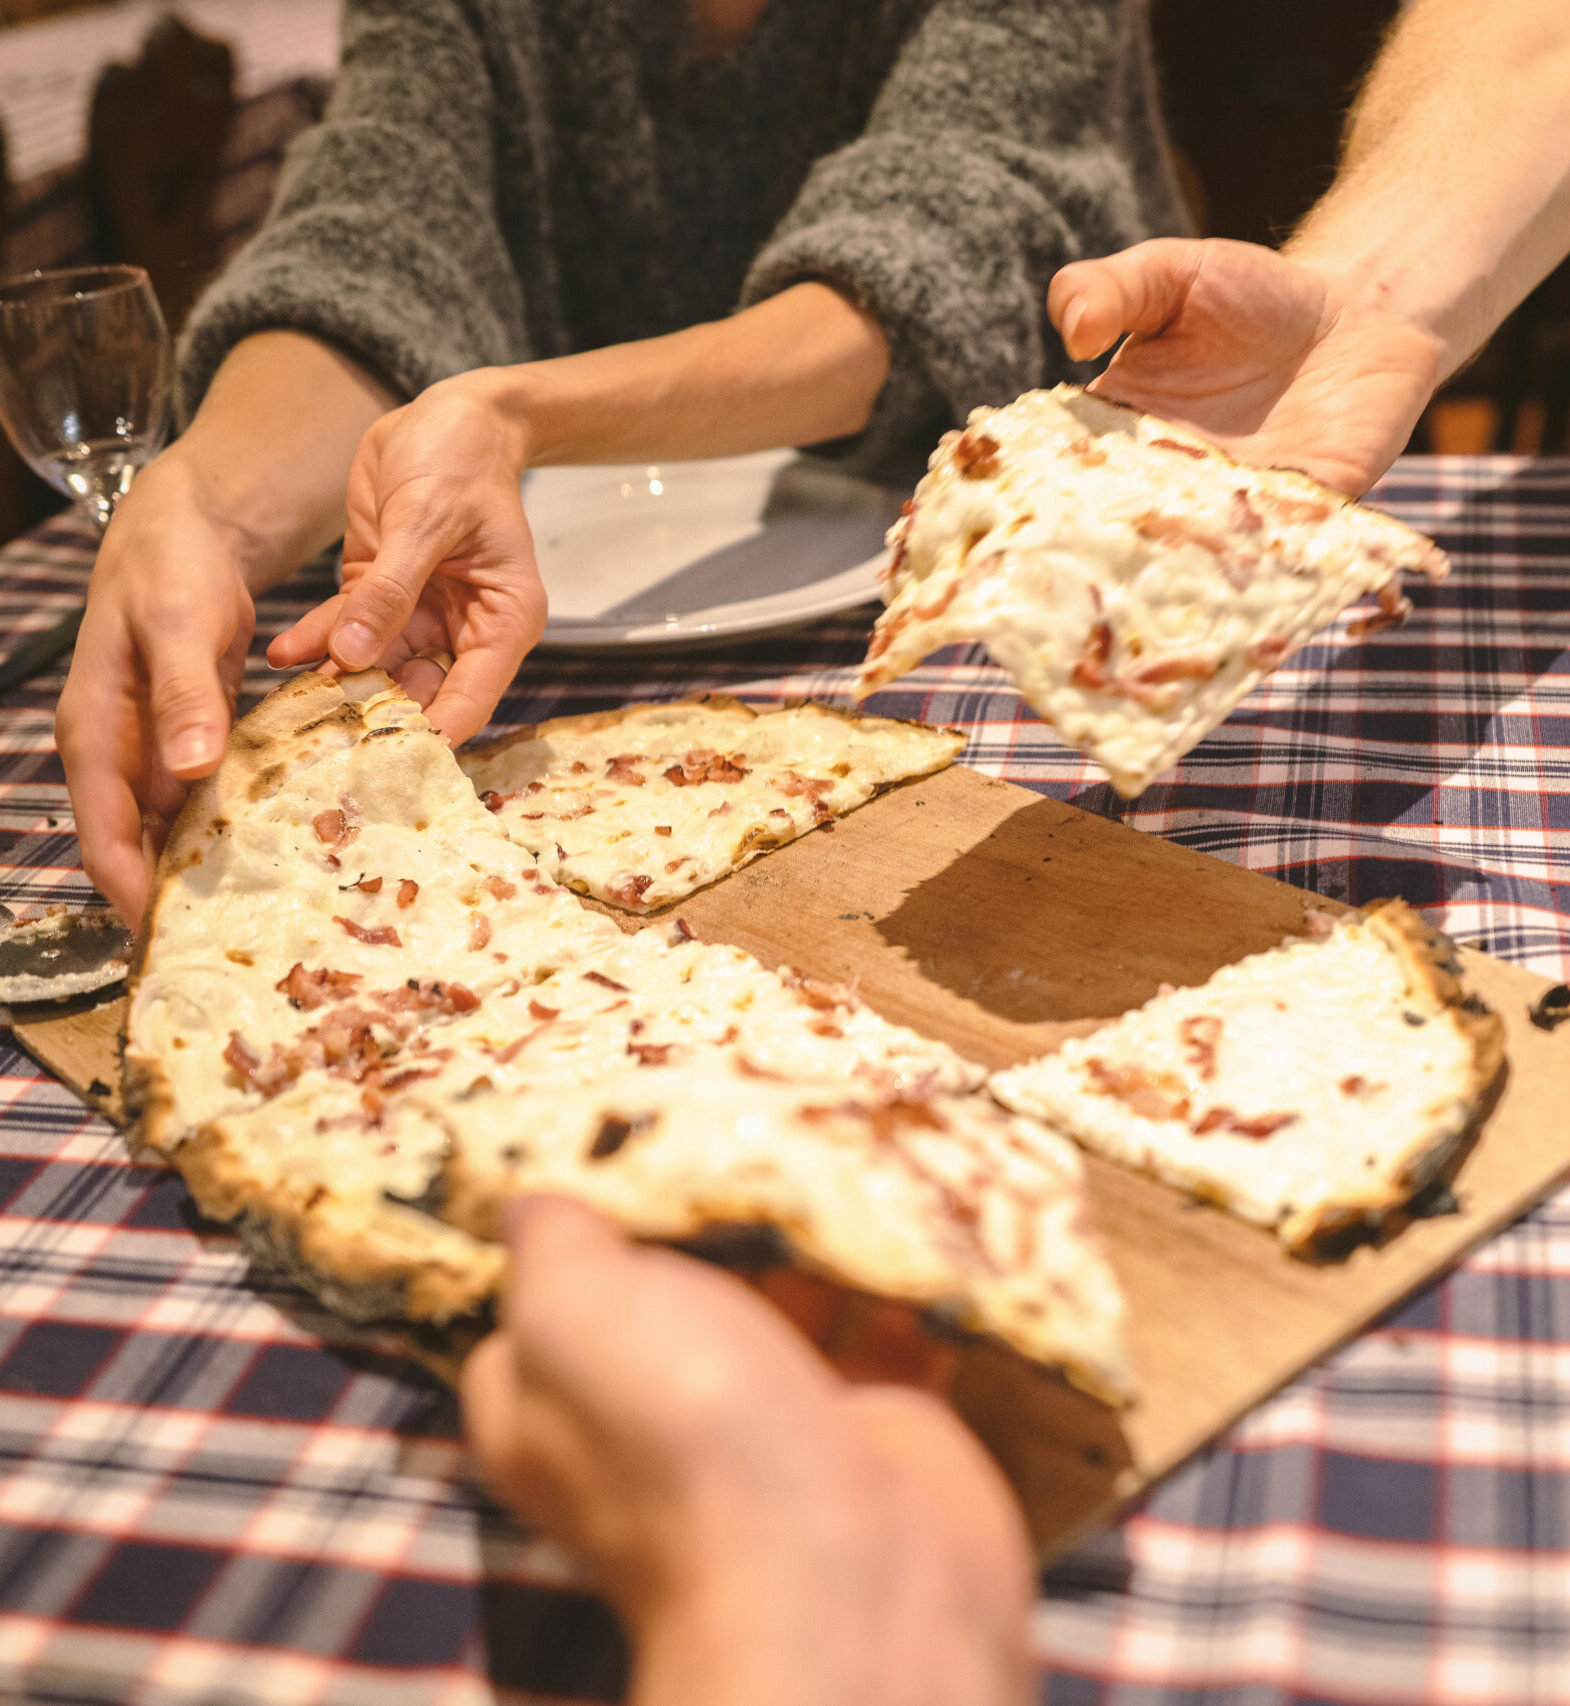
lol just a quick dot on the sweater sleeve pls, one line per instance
(382, 237)
(1009, 138)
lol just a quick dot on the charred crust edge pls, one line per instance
(1432, 963)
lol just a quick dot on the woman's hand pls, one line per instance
(253, 489)
(155, 674)
(1280, 362)
(771, 1533)
(437, 558)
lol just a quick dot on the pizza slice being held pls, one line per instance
(1133, 579)
(641, 806)
(1315, 1088)
(938, 1200)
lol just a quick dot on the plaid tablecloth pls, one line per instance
(202, 1506)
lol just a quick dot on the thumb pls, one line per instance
(548, 1234)
(1138, 293)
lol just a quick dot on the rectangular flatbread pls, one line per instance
(1134, 580)
(361, 1015)
(641, 806)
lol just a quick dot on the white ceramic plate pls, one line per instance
(696, 553)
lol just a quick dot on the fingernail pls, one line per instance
(1071, 320)
(192, 749)
(354, 645)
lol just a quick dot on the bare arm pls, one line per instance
(271, 447)
(437, 553)
(253, 489)
(802, 367)
(1453, 201)
(1453, 197)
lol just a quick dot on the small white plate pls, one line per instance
(695, 553)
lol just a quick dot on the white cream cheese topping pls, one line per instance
(1313, 1077)
(1134, 581)
(375, 1000)
(664, 799)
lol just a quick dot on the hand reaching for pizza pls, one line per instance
(437, 559)
(154, 677)
(771, 1533)
(1276, 360)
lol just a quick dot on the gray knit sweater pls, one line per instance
(500, 180)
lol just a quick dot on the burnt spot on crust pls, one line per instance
(1194, 450)
(615, 1133)
(1551, 1009)
(952, 1320)
(266, 781)
(745, 1244)
(344, 715)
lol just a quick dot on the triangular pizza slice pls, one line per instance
(1135, 581)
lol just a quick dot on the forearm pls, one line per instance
(1453, 199)
(269, 451)
(802, 367)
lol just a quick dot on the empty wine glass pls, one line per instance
(84, 379)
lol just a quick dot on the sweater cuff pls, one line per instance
(404, 309)
(964, 308)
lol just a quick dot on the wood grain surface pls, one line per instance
(1002, 922)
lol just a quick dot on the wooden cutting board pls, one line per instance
(1001, 922)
